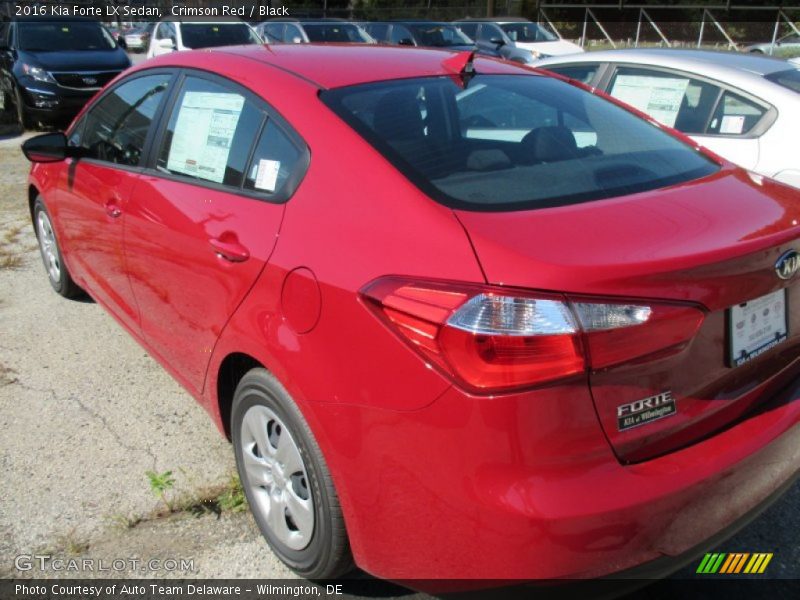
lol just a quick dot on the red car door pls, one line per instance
(94, 190)
(202, 224)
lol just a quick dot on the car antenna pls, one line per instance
(461, 65)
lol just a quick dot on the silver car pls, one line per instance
(744, 107)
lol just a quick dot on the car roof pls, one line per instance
(719, 64)
(338, 65)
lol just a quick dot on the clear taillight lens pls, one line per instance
(492, 339)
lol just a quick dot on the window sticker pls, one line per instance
(732, 124)
(267, 174)
(659, 97)
(204, 133)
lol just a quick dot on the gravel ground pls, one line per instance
(85, 412)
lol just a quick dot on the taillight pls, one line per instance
(493, 339)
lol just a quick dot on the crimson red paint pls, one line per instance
(461, 369)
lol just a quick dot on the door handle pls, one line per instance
(113, 209)
(229, 249)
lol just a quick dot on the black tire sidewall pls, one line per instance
(262, 389)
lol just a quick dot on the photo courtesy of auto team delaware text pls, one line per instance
(381, 298)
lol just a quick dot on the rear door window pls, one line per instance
(735, 115)
(671, 98)
(116, 128)
(276, 160)
(210, 132)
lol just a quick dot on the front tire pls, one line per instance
(286, 480)
(57, 272)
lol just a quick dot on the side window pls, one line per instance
(469, 29)
(210, 132)
(274, 32)
(379, 31)
(115, 129)
(735, 115)
(489, 32)
(582, 73)
(671, 98)
(401, 35)
(274, 160)
(293, 35)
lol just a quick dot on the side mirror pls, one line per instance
(166, 44)
(498, 42)
(406, 42)
(46, 148)
(297, 40)
(121, 43)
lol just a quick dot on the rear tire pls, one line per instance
(57, 272)
(286, 481)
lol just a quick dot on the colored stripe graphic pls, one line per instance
(734, 562)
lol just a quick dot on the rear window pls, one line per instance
(513, 142)
(211, 35)
(788, 79)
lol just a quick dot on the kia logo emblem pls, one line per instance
(787, 265)
(89, 80)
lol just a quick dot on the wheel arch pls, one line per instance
(231, 370)
(33, 193)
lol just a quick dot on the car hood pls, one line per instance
(555, 48)
(84, 60)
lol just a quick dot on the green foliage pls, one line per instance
(160, 485)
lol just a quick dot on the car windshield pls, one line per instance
(528, 32)
(512, 142)
(439, 35)
(61, 36)
(789, 79)
(339, 32)
(210, 35)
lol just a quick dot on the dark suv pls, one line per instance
(50, 67)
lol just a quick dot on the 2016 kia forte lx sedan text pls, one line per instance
(459, 319)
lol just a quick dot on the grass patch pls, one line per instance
(68, 544)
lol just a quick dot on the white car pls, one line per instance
(172, 36)
(744, 107)
(536, 38)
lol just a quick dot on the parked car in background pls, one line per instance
(50, 67)
(430, 34)
(137, 38)
(172, 36)
(304, 31)
(787, 42)
(741, 106)
(461, 320)
(515, 39)
(491, 40)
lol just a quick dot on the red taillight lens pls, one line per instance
(492, 339)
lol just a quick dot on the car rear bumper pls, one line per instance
(507, 488)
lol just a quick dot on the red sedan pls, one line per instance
(459, 319)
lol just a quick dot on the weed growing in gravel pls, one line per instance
(161, 484)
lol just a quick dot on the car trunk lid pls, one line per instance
(707, 246)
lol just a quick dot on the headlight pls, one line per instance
(37, 73)
(539, 55)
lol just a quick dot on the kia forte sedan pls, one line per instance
(458, 318)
